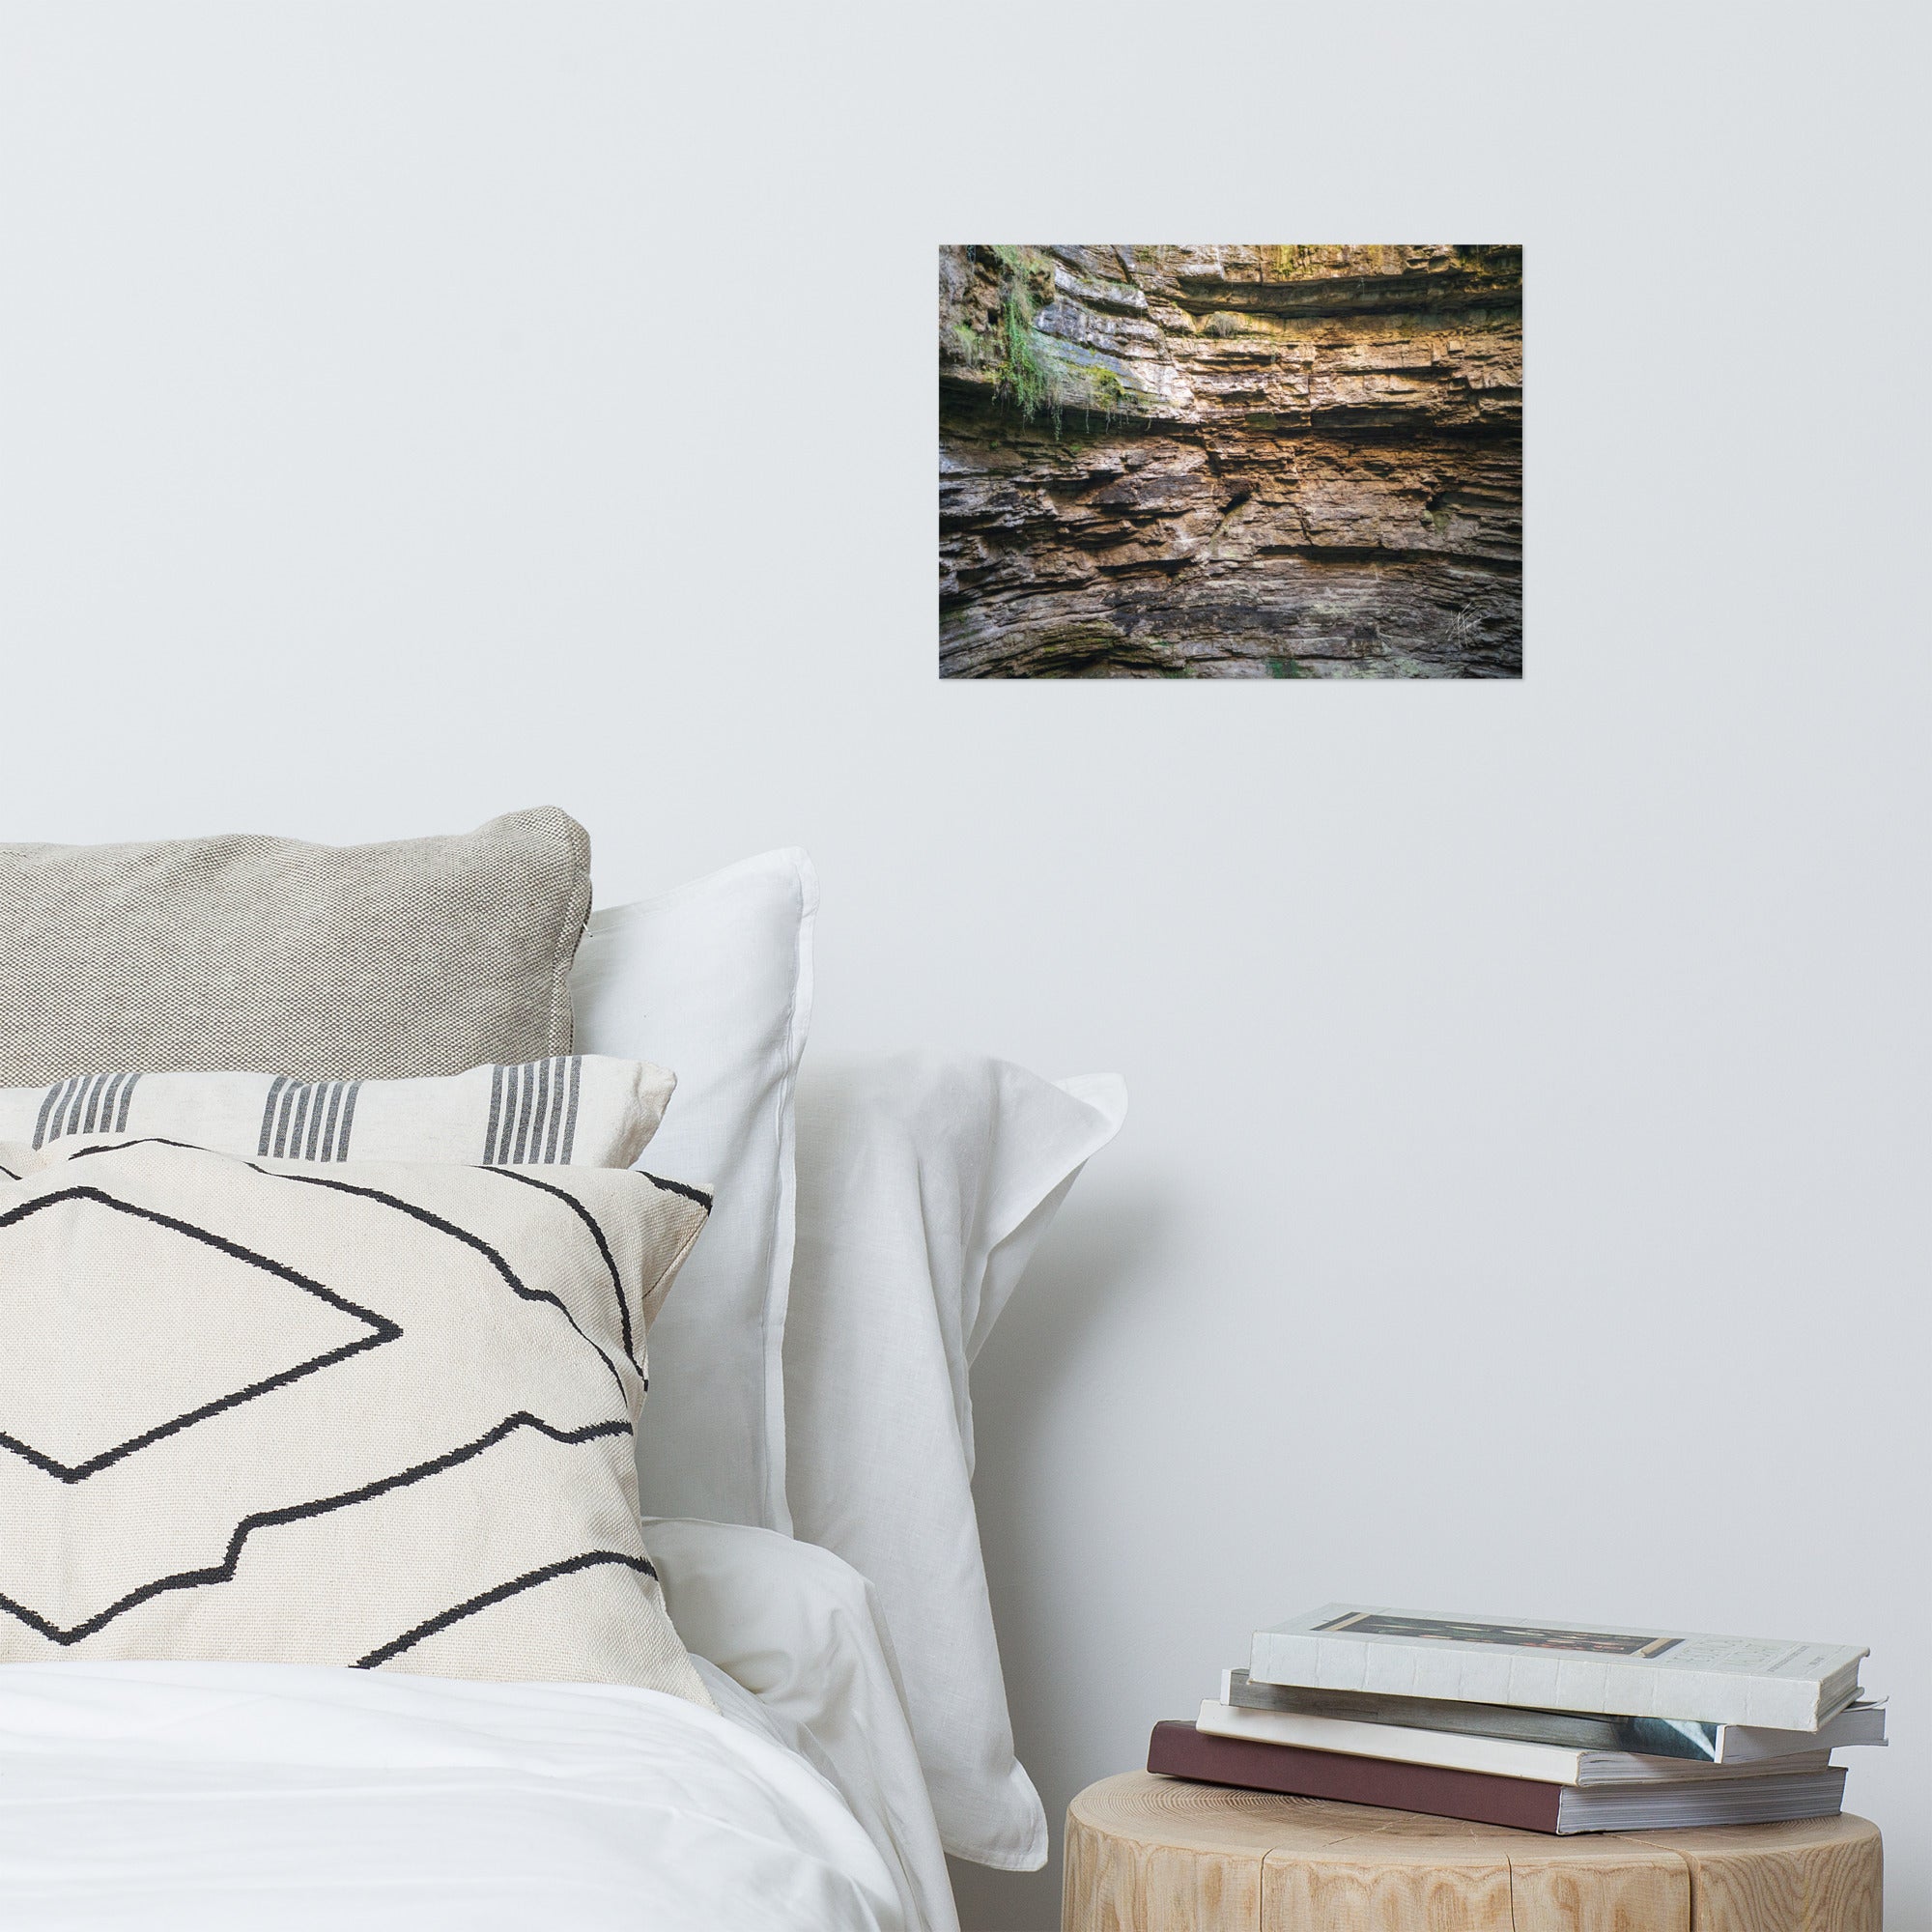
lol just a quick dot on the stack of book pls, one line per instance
(1546, 1727)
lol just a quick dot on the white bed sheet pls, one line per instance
(225, 1795)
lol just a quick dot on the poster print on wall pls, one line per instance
(1239, 460)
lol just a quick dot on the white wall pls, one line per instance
(414, 411)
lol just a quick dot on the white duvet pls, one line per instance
(223, 1796)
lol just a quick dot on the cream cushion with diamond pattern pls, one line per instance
(373, 1414)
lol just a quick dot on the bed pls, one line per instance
(224, 1794)
(821, 1719)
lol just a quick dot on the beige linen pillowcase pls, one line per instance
(321, 962)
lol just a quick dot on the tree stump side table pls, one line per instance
(1147, 1854)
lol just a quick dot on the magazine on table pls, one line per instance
(1769, 1683)
(1859, 1724)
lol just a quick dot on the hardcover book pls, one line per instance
(1180, 1750)
(1859, 1723)
(1495, 1757)
(1651, 1673)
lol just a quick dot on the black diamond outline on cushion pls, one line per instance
(382, 1331)
(228, 1567)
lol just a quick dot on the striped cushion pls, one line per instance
(571, 1110)
(373, 1414)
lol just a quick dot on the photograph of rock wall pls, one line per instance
(1238, 461)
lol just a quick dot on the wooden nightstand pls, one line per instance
(1147, 1854)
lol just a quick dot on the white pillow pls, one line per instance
(801, 1631)
(714, 981)
(926, 1181)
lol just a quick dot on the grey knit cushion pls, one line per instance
(322, 962)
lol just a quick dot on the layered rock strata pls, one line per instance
(1238, 460)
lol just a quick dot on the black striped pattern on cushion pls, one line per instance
(566, 1110)
(309, 1120)
(533, 1113)
(87, 1103)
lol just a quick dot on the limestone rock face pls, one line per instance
(1238, 461)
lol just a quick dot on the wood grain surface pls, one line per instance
(1147, 1854)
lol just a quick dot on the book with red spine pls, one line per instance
(1179, 1750)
